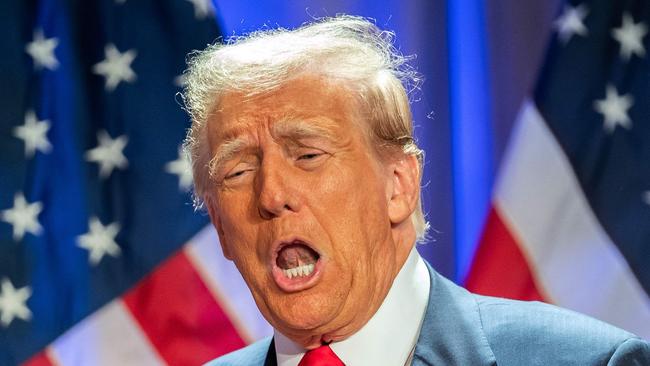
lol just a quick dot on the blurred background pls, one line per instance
(534, 117)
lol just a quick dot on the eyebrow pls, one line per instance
(295, 128)
(288, 128)
(226, 151)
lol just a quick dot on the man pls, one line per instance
(302, 150)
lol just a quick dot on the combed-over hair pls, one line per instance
(347, 49)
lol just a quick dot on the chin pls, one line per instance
(305, 317)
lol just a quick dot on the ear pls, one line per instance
(404, 188)
(216, 221)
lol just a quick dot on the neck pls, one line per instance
(350, 322)
(401, 312)
(404, 239)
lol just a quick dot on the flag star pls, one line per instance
(202, 8)
(108, 154)
(42, 51)
(182, 168)
(34, 134)
(571, 22)
(116, 66)
(13, 303)
(100, 241)
(23, 217)
(630, 36)
(614, 109)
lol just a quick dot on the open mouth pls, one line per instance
(297, 260)
(296, 265)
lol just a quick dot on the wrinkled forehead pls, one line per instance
(299, 103)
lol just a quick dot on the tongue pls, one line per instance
(295, 255)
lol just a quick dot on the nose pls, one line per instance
(276, 194)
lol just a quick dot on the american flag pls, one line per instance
(570, 216)
(103, 260)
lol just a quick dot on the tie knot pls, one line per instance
(321, 356)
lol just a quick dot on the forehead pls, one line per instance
(310, 99)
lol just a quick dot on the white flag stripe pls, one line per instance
(110, 336)
(226, 284)
(543, 205)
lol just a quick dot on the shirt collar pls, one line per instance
(390, 335)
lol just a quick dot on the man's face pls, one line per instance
(301, 205)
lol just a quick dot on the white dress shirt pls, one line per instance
(389, 337)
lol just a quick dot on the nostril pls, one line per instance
(271, 206)
(264, 213)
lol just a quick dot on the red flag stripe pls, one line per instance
(40, 359)
(227, 285)
(180, 316)
(500, 268)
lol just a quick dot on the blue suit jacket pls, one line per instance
(461, 328)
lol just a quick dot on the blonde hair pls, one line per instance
(346, 48)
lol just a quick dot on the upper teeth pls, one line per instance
(303, 270)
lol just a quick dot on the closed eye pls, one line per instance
(238, 170)
(235, 174)
(309, 156)
(310, 159)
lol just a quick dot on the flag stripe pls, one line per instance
(40, 359)
(157, 318)
(576, 262)
(226, 284)
(180, 316)
(89, 79)
(500, 257)
(107, 337)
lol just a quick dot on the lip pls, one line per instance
(297, 283)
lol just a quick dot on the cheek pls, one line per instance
(239, 232)
(350, 205)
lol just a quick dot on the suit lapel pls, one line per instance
(451, 333)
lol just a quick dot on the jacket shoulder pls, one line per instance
(251, 355)
(534, 333)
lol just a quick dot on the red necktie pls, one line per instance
(321, 356)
